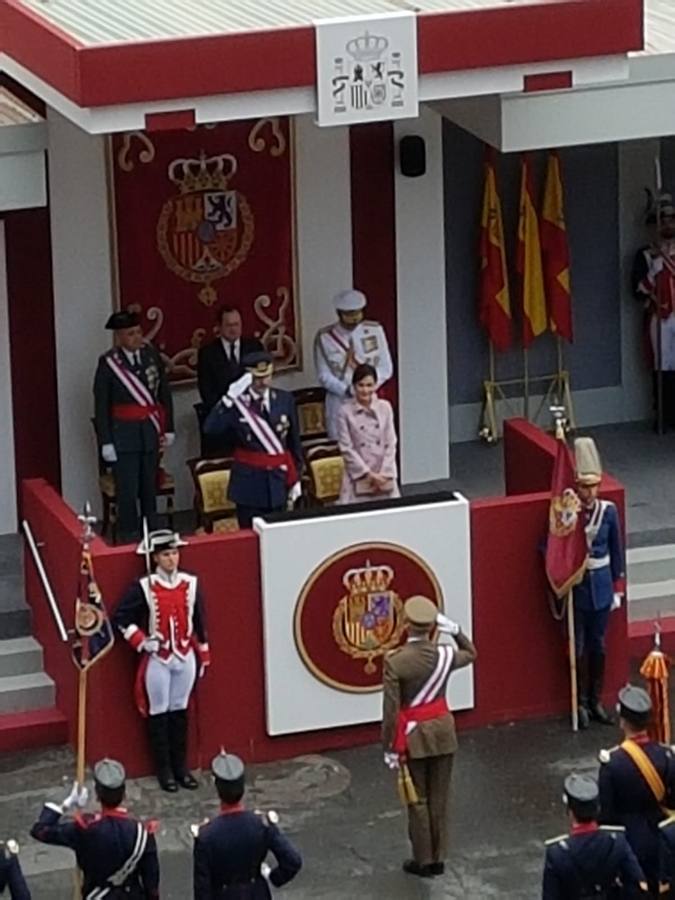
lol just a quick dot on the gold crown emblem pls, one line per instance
(368, 579)
(367, 48)
(203, 174)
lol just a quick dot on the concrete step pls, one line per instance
(20, 693)
(650, 564)
(15, 623)
(651, 600)
(20, 656)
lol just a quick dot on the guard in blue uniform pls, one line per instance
(602, 585)
(592, 860)
(11, 876)
(263, 423)
(230, 850)
(637, 782)
(116, 853)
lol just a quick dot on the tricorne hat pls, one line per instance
(122, 319)
(588, 465)
(162, 539)
(350, 301)
(420, 611)
(260, 364)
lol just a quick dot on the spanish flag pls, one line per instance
(555, 252)
(529, 265)
(493, 292)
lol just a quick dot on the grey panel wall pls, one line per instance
(591, 178)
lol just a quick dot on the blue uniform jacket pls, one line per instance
(229, 851)
(667, 854)
(626, 799)
(11, 877)
(596, 863)
(102, 844)
(596, 591)
(259, 488)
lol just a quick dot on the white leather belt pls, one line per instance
(600, 563)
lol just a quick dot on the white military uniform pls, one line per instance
(331, 350)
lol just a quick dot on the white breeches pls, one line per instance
(169, 683)
(667, 342)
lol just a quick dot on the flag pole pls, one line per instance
(81, 726)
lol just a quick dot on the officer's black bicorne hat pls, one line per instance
(110, 774)
(635, 705)
(228, 768)
(582, 796)
(122, 319)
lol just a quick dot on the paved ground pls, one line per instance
(343, 813)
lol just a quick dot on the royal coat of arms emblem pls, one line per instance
(564, 513)
(368, 620)
(206, 231)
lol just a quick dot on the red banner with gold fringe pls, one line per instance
(203, 218)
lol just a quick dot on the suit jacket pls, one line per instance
(215, 372)
(259, 488)
(130, 437)
(405, 672)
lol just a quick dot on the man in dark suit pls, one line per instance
(134, 420)
(220, 362)
(263, 424)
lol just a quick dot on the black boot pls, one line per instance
(582, 692)
(158, 729)
(178, 725)
(597, 672)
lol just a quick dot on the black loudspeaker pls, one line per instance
(413, 155)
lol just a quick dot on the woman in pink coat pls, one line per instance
(367, 442)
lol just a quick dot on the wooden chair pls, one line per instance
(166, 488)
(211, 479)
(311, 406)
(325, 468)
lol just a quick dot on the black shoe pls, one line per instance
(414, 868)
(584, 718)
(437, 868)
(598, 713)
(158, 731)
(597, 671)
(178, 732)
(167, 783)
(188, 781)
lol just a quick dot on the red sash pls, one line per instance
(259, 459)
(131, 412)
(424, 712)
(136, 388)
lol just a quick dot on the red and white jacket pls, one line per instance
(170, 611)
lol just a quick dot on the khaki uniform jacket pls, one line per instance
(405, 672)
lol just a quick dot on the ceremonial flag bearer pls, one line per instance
(116, 853)
(230, 850)
(592, 860)
(162, 618)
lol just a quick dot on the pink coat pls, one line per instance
(367, 440)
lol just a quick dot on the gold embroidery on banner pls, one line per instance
(275, 338)
(257, 141)
(145, 156)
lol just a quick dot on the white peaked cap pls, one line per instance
(589, 467)
(350, 301)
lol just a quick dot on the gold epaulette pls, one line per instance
(561, 840)
(605, 755)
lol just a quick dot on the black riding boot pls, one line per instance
(178, 726)
(158, 729)
(582, 692)
(597, 672)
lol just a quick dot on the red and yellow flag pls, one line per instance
(493, 292)
(566, 547)
(555, 252)
(529, 267)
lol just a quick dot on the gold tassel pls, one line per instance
(406, 786)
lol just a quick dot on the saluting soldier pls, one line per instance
(134, 420)
(637, 782)
(592, 860)
(230, 850)
(602, 586)
(343, 346)
(11, 876)
(263, 422)
(116, 853)
(418, 727)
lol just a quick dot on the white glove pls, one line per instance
(617, 599)
(446, 625)
(265, 870)
(237, 388)
(77, 797)
(109, 453)
(169, 438)
(294, 494)
(391, 760)
(150, 645)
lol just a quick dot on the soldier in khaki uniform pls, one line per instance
(418, 727)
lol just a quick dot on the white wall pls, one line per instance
(7, 470)
(422, 341)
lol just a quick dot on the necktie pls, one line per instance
(233, 353)
(137, 359)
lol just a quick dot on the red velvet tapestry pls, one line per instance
(203, 218)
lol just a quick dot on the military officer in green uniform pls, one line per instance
(134, 420)
(418, 727)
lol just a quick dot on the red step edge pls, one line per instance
(32, 730)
